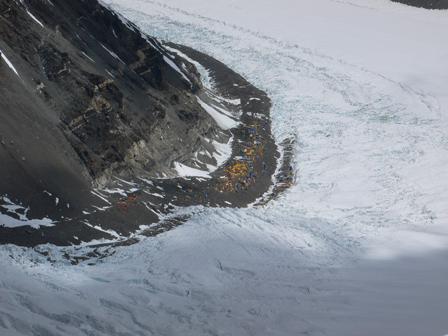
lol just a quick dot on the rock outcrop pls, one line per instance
(428, 4)
(85, 96)
(106, 132)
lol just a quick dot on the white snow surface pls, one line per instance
(362, 84)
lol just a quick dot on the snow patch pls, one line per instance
(9, 63)
(186, 171)
(19, 216)
(34, 18)
(88, 57)
(223, 151)
(206, 79)
(114, 55)
(222, 120)
(176, 68)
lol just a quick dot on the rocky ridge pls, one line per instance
(428, 4)
(105, 130)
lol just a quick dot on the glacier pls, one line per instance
(357, 246)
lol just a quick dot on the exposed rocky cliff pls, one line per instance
(429, 4)
(84, 96)
(105, 131)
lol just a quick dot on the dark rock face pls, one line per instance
(92, 98)
(429, 4)
(104, 132)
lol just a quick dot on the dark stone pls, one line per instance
(97, 103)
(428, 4)
(91, 102)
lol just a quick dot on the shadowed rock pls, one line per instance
(93, 98)
(428, 4)
(96, 119)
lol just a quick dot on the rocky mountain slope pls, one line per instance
(85, 96)
(88, 104)
(429, 4)
(102, 91)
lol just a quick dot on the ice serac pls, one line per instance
(84, 96)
